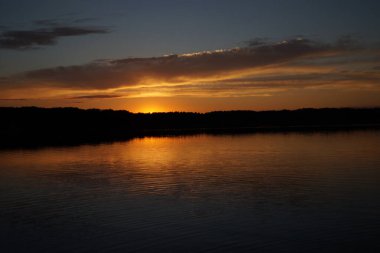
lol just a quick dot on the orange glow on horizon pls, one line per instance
(151, 108)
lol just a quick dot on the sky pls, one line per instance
(193, 55)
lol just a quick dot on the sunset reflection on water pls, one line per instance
(201, 192)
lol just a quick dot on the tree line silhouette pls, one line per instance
(33, 126)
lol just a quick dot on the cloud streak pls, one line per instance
(98, 96)
(104, 74)
(261, 68)
(31, 39)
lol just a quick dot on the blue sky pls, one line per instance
(153, 28)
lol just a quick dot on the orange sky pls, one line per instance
(288, 74)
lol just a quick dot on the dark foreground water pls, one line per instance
(244, 193)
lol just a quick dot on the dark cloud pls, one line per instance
(348, 42)
(251, 70)
(105, 74)
(257, 42)
(29, 39)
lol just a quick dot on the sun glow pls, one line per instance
(151, 109)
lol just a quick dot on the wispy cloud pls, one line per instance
(104, 74)
(261, 68)
(12, 99)
(95, 96)
(47, 35)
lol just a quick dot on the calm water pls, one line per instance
(259, 192)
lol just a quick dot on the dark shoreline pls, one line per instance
(30, 127)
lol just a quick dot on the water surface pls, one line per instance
(316, 192)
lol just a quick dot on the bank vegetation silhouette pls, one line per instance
(33, 126)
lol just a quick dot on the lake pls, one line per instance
(263, 192)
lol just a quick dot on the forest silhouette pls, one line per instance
(33, 126)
